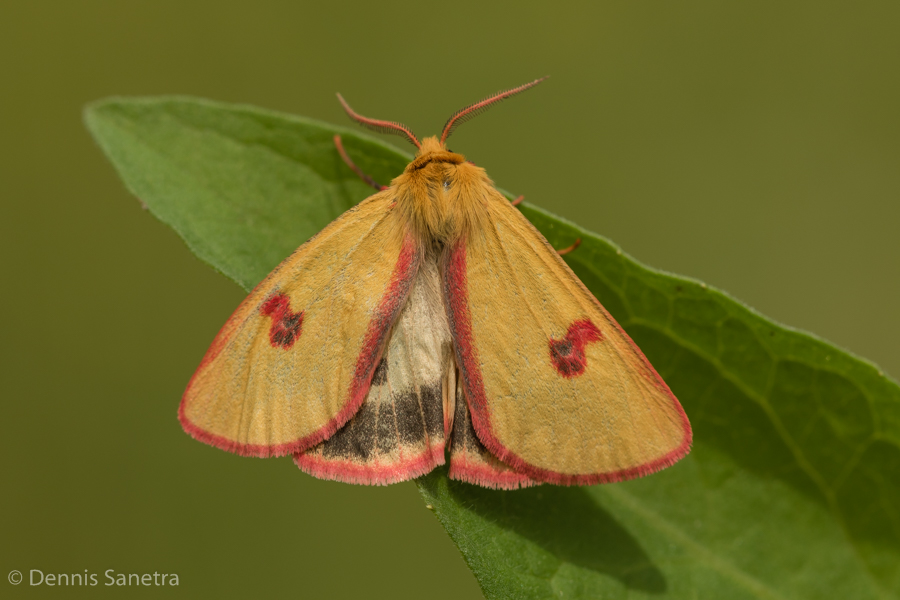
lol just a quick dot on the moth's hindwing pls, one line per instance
(471, 462)
(399, 433)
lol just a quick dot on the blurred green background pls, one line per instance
(753, 145)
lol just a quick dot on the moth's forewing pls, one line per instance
(556, 388)
(294, 362)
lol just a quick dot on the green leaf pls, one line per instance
(244, 187)
(791, 490)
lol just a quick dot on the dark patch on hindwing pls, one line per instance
(433, 405)
(464, 436)
(384, 423)
(418, 416)
(379, 377)
(356, 439)
(410, 425)
(472, 462)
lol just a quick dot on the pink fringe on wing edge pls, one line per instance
(376, 474)
(467, 471)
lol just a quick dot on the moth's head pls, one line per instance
(433, 149)
(434, 192)
(433, 153)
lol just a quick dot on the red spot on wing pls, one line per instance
(286, 325)
(379, 327)
(567, 354)
(457, 295)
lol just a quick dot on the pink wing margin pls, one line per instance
(457, 302)
(379, 327)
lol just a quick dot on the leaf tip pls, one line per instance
(92, 113)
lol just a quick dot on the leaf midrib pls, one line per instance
(678, 536)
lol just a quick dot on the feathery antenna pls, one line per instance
(390, 127)
(461, 116)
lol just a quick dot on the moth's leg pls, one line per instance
(340, 148)
(570, 248)
(517, 201)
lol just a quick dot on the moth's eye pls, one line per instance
(446, 185)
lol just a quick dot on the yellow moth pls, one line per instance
(433, 322)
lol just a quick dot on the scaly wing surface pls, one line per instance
(471, 462)
(295, 360)
(399, 432)
(555, 387)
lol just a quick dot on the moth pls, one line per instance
(430, 323)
